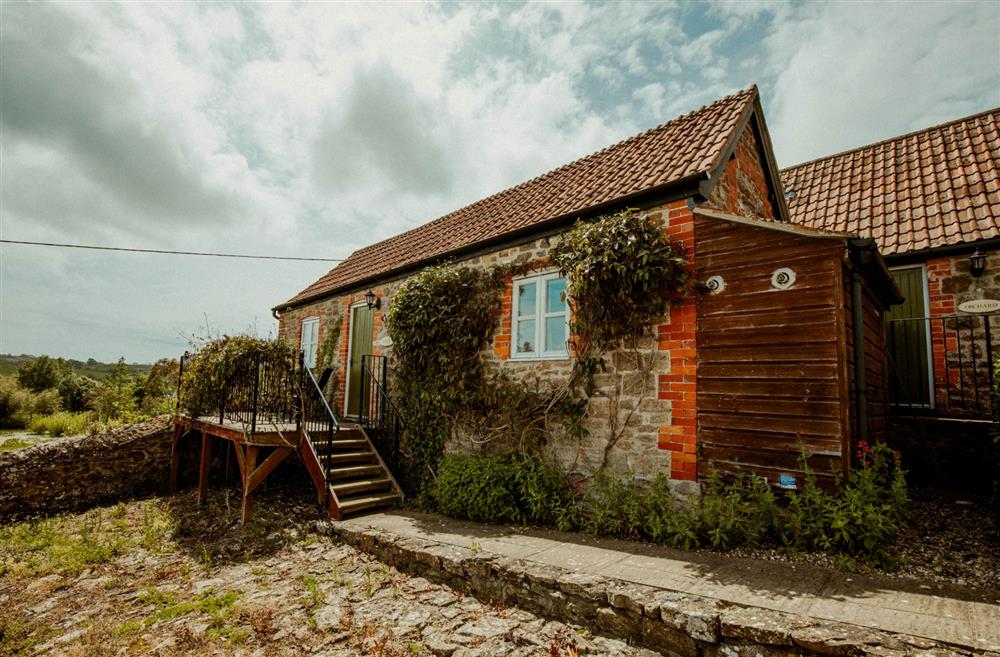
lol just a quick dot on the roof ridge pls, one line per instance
(890, 140)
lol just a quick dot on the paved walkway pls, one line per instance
(940, 612)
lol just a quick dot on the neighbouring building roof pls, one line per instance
(924, 190)
(684, 150)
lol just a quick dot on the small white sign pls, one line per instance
(980, 306)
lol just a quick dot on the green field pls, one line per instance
(92, 368)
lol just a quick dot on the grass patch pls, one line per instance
(61, 424)
(18, 637)
(14, 443)
(43, 546)
(69, 544)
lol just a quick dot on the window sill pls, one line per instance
(530, 359)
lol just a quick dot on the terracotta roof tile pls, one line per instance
(687, 146)
(922, 190)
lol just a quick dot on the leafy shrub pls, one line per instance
(500, 488)
(212, 368)
(43, 373)
(622, 273)
(61, 424)
(738, 510)
(46, 402)
(861, 519)
(76, 392)
(15, 404)
(614, 506)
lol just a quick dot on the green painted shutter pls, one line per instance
(906, 338)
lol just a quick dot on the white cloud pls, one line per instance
(847, 74)
(317, 128)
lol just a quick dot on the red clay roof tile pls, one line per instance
(923, 190)
(687, 146)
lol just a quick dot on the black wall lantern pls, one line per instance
(977, 263)
(374, 302)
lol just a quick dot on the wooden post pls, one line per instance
(206, 459)
(249, 467)
(175, 457)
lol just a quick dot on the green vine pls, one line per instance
(440, 321)
(210, 370)
(623, 272)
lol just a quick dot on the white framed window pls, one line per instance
(540, 322)
(310, 340)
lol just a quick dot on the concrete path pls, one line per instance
(946, 613)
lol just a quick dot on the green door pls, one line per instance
(362, 323)
(906, 337)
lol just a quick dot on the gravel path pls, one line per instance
(164, 577)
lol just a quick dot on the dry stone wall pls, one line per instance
(672, 623)
(76, 473)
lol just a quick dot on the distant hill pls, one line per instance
(95, 369)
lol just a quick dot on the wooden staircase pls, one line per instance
(357, 478)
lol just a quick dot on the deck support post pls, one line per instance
(175, 456)
(206, 459)
(249, 467)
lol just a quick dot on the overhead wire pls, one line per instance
(169, 252)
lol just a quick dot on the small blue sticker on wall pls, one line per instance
(787, 481)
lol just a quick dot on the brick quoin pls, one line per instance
(502, 336)
(941, 305)
(677, 338)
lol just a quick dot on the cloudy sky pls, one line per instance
(312, 130)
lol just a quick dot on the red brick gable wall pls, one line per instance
(743, 188)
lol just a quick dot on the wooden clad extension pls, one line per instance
(772, 377)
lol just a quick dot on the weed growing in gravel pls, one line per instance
(313, 598)
(19, 636)
(42, 546)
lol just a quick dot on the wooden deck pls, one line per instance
(269, 433)
(360, 481)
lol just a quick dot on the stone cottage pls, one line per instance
(750, 371)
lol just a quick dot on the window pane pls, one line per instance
(555, 334)
(555, 299)
(526, 300)
(526, 336)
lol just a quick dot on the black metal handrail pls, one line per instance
(949, 360)
(317, 418)
(262, 390)
(378, 415)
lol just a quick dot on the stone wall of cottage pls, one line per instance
(956, 344)
(653, 413)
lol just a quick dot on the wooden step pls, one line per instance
(350, 443)
(349, 457)
(361, 486)
(348, 472)
(358, 503)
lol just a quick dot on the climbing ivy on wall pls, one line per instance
(439, 321)
(623, 272)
